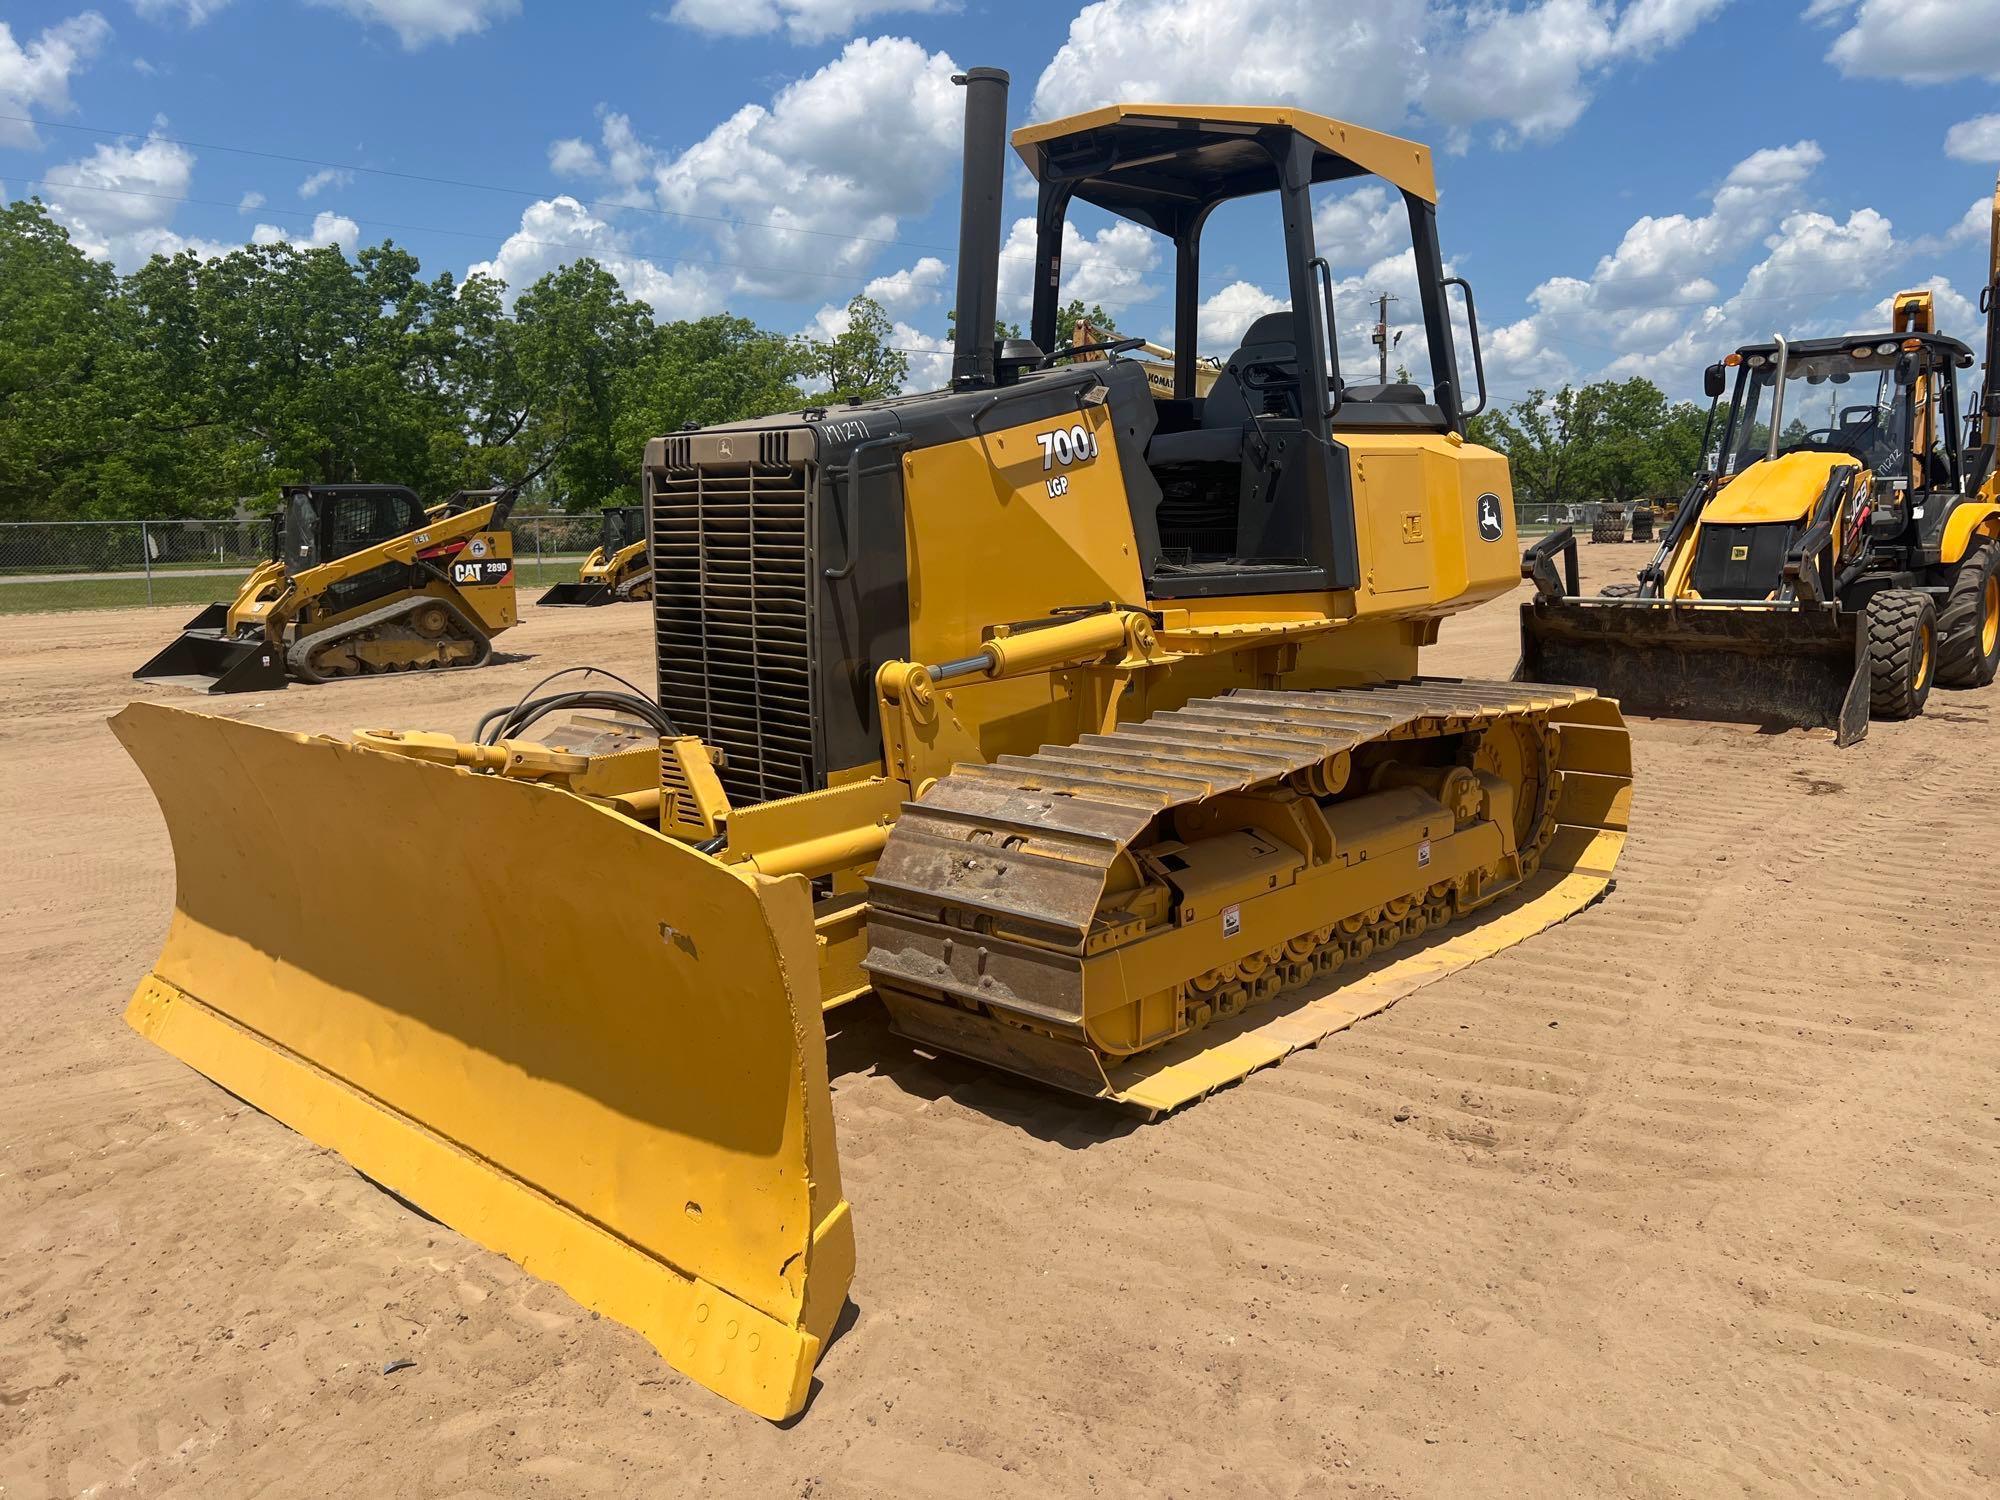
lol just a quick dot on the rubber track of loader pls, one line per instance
(299, 657)
(1027, 841)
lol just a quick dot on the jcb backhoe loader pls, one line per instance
(362, 578)
(1082, 728)
(619, 569)
(1842, 556)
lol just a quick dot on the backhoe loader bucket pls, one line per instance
(618, 1081)
(587, 594)
(1802, 665)
(232, 664)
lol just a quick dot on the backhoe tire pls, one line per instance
(1642, 524)
(1608, 527)
(1902, 652)
(1619, 591)
(1969, 623)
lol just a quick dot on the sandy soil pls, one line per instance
(1694, 1195)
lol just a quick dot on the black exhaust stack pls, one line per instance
(979, 225)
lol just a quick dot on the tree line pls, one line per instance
(196, 387)
(1618, 440)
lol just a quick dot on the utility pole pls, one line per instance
(1380, 339)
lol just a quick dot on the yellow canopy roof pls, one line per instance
(1148, 161)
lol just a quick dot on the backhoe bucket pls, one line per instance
(587, 594)
(231, 664)
(614, 1074)
(1800, 665)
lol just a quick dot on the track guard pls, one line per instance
(1801, 665)
(621, 1085)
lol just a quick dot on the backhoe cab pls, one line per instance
(1836, 558)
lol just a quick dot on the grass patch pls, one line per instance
(88, 592)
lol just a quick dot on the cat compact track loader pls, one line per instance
(362, 578)
(619, 569)
(1081, 728)
(1840, 557)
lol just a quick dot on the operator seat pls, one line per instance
(1269, 358)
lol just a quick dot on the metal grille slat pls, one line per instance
(732, 612)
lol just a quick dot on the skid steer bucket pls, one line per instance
(589, 595)
(619, 1082)
(215, 661)
(1801, 665)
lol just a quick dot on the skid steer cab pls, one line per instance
(620, 569)
(362, 578)
(1839, 557)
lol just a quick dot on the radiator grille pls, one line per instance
(731, 615)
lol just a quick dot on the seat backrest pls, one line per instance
(1266, 341)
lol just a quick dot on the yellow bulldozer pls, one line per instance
(1080, 727)
(619, 569)
(362, 578)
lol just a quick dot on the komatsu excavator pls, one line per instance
(1082, 728)
(619, 569)
(362, 578)
(1839, 557)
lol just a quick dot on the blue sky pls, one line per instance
(1633, 186)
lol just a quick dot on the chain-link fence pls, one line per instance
(57, 565)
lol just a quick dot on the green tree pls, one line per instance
(859, 363)
(577, 338)
(716, 369)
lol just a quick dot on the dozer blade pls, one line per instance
(230, 664)
(589, 595)
(579, 1043)
(1800, 665)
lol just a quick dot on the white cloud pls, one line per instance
(1225, 316)
(250, 202)
(1368, 58)
(1977, 139)
(1652, 305)
(1975, 226)
(902, 293)
(802, 20)
(556, 231)
(326, 177)
(35, 78)
(112, 200)
(419, 22)
(1360, 224)
(193, 12)
(815, 181)
(328, 229)
(627, 164)
(1107, 268)
(1915, 41)
(1530, 68)
(1534, 69)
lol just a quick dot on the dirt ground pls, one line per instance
(1694, 1195)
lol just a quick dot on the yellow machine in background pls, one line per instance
(618, 569)
(363, 578)
(1842, 557)
(1081, 726)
